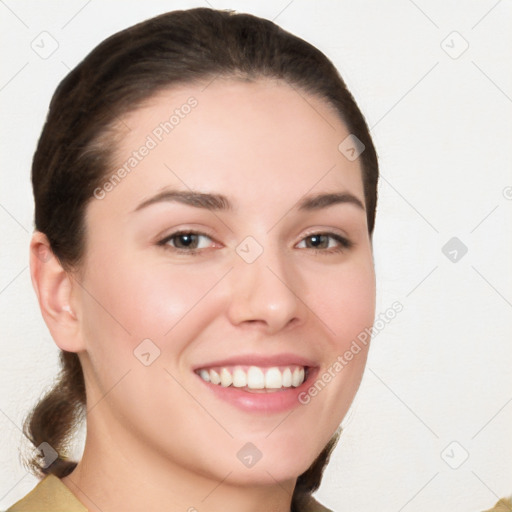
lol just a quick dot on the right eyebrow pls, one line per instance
(197, 199)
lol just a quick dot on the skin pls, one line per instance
(155, 435)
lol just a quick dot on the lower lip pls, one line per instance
(272, 402)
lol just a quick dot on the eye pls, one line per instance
(192, 242)
(326, 242)
(185, 241)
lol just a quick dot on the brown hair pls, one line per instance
(75, 147)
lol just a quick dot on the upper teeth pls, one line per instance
(254, 377)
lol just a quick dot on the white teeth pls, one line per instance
(239, 378)
(205, 375)
(273, 378)
(297, 377)
(214, 377)
(287, 378)
(225, 378)
(255, 377)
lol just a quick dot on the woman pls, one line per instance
(205, 190)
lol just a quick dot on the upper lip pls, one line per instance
(287, 359)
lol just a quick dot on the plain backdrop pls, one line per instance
(430, 428)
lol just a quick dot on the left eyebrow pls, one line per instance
(320, 201)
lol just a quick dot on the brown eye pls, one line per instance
(185, 241)
(326, 242)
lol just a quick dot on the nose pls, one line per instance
(266, 293)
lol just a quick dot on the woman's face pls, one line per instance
(266, 273)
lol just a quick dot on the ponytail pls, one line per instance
(54, 420)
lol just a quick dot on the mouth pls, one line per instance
(255, 379)
(258, 389)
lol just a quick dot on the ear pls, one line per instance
(55, 289)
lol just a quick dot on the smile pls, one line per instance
(255, 378)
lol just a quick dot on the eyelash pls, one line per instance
(344, 243)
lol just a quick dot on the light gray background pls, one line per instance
(438, 385)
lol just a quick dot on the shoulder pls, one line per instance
(49, 495)
(503, 505)
(313, 505)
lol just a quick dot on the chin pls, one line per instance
(277, 467)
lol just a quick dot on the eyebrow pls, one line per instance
(219, 202)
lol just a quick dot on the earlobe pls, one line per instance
(54, 289)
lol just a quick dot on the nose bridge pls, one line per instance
(264, 285)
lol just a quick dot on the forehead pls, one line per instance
(263, 141)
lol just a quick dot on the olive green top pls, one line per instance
(503, 505)
(52, 495)
(49, 495)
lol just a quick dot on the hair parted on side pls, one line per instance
(75, 149)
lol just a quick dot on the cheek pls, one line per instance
(344, 300)
(129, 301)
